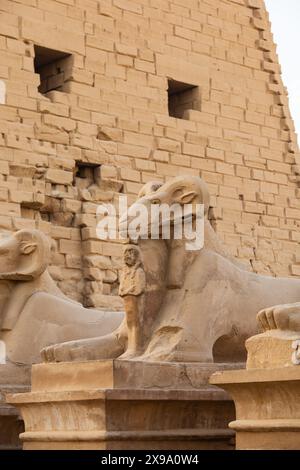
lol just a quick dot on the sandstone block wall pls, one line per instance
(95, 122)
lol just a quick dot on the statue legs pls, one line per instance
(134, 327)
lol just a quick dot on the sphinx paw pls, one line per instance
(58, 352)
(280, 317)
(266, 319)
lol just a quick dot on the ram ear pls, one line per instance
(27, 248)
(185, 197)
(35, 250)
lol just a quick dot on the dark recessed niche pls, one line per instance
(54, 68)
(181, 98)
(88, 172)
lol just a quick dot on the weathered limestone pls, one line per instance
(13, 379)
(2, 92)
(273, 349)
(132, 288)
(124, 405)
(267, 407)
(280, 317)
(160, 278)
(266, 395)
(108, 108)
(192, 306)
(34, 312)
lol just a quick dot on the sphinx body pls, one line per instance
(199, 305)
(34, 313)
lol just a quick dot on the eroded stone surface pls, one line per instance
(196, 305)
(34, 312)
(121, 374)
(109, 107)
(267, 407)
(266, 394)
(2, 92)
(273, 349)
(124, 405)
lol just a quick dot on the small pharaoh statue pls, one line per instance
(132, 288)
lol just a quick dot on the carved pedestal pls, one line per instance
(124, 405)
(267, 407)
(13, 379)
(11, 424)
(266, 395)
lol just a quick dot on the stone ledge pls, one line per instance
(118, 374)
(206, 393)
(281, 374)
(166, 434)
(269, 425)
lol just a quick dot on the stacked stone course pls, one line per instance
(111, 111)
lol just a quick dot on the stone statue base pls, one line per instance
(13, 379)
(125, 405)
(266, 394)
(274, 348)
(267, 406)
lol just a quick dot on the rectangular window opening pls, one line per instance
(86, 174)
(182, 97)
(54, 68)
